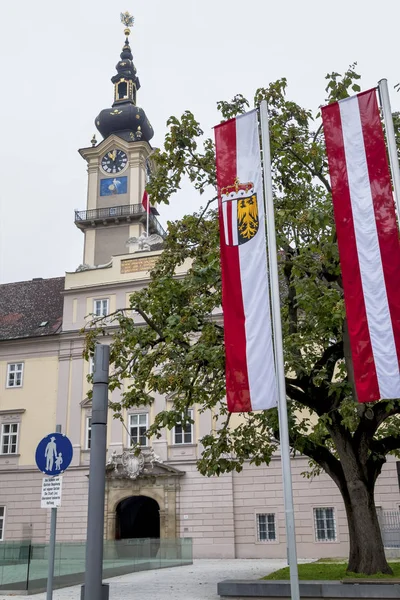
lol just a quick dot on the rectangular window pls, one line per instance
(266, 531)
(2, 519)
(325, 524)
(15, 374)
(88, 433)
(184, 435)
(137, 428)
(9, 438)
(100, 307)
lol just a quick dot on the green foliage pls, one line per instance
(170, 341)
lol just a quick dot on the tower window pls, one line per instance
(122, 90)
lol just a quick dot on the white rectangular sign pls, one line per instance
(51, 492)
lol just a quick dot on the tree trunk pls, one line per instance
(367, 554)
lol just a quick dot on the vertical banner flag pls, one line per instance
(250, 367)
(368, 242)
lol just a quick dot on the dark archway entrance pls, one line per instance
(137, 517)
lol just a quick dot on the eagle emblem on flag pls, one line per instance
(240, 212)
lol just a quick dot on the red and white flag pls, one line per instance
(250, 368)
(368, 242)
(146, 202)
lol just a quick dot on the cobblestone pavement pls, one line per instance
(193, 582)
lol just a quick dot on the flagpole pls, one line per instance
(391, 141)
(280, 367)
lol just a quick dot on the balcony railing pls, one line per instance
(112, 214)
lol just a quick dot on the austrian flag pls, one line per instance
(250, 367)
(368, 242)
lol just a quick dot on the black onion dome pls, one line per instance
(125, 68)
(124, 118)
(127, 121)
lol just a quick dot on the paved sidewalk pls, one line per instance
(194, 582)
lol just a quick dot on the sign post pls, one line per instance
(53, 456)
(94, 589)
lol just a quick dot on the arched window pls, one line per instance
(122, 90)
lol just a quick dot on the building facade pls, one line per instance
(44, 382)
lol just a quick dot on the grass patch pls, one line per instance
(330, 570)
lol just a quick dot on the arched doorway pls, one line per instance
(137, 517)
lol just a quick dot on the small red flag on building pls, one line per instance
(146, 202)
(368, 242)
(249, 357)
(151, 210)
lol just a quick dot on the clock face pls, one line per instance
(114, 161)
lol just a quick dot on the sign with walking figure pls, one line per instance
(54, 454)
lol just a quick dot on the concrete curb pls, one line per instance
(328, 590)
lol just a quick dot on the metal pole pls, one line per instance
(52, 545)
(280, 367)
(93, 589)
(391, 141)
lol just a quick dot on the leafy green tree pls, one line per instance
(171, 341)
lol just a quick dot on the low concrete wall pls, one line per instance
(326, 590)
(39, 583)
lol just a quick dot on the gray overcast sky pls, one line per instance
(56, 60)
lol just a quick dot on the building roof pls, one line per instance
(31, 308)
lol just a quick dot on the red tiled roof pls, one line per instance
(31, 308)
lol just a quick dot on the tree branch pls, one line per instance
(379, 450)
(206, 208)
(385, 445)
(328, 360)
(312, 171)
(372, 417)
(150, 322)
(323, 457)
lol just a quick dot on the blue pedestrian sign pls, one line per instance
(54, 454)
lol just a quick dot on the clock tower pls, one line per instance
(118, 168)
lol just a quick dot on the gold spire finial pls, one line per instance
(127, 20)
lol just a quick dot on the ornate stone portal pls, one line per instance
(130, 474)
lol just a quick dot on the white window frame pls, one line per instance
(101, 307)
(14, 372)
(183, 433)
(325, 539)
(2, 522)
(91, 365)
(88, 432)
(269, 536)
(138, 426)
(9, 434)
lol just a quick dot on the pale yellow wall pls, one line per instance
(38, 396)
(112, 274)
(74, 309)
(88, 255)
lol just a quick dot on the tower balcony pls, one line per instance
(127, 213)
